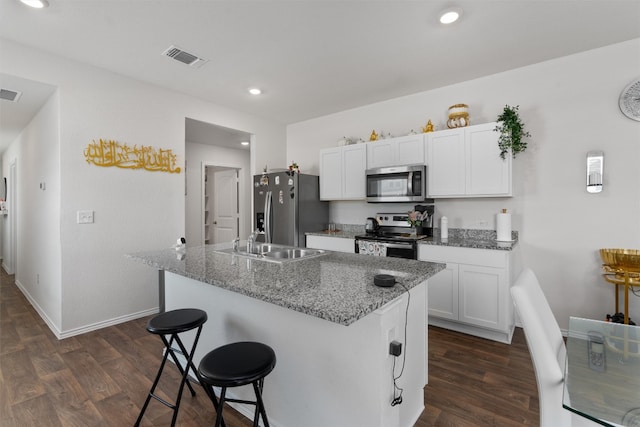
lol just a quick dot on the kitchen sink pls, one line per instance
(275, 253)
(292, 253)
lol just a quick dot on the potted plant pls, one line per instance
(512, 133)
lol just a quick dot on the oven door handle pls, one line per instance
(398, 245)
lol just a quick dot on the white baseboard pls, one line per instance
(39, 309)
(503, 337)
(82, 329)
(5, 267)
(106, 323)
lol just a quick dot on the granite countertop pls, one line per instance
(458, 237)
(337, 287)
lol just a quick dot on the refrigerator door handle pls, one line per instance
(267, 217)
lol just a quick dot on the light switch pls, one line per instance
(85, 217)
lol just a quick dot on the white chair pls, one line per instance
(548, 351)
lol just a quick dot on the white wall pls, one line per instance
(134, 209)
(570, 106)
(37, 157)
(196, 154)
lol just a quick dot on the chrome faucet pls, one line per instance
(251, 241)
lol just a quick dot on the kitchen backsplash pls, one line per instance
(454, 233)
(477, 214)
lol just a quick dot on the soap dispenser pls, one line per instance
(444, 228)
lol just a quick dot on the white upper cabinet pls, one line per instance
(342, 173)
(445, 166)
(487, 173)
(331, 174)
(401, 151)
(465, 162)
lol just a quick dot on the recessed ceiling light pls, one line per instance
(255, 91)
(38, 4)
(450, 16)
(244, 143)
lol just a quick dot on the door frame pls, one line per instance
(10, 266)
(241, 195)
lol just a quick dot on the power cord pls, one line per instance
(397, 391)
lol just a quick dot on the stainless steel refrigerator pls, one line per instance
(286, 206)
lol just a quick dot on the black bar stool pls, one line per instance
(173, 323)
(235, 365)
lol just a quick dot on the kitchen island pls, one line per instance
(329, 325)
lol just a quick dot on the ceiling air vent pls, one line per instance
(184, 57)
(10, 95)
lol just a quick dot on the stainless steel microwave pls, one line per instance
(397, 184)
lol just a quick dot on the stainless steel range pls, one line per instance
(393, 237)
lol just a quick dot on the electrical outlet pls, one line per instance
(85, 217)
(483, 223)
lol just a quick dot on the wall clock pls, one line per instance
(630, 100)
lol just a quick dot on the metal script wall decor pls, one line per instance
(111, 153)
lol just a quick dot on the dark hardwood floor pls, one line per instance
(101, 378)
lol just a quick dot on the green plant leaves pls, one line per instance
(512, 133)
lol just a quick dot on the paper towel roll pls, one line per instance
(503, 227)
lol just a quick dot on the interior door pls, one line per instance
(225, 206)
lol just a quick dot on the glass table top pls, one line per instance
(602, 373)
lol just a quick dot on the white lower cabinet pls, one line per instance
(472, 295)
(337, 244)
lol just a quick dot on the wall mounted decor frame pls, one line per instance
(107, 153)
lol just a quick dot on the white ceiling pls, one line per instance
(14, 116)
(315, 57)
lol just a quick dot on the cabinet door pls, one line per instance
(381, 154)
(483, 296)
(487, 173)
(410, 150)
(442, 291)
(446, 167)
(331, 174)
(354, 165)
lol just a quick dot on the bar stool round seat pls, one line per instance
(235, 365)
(176, 321)
(172, 323)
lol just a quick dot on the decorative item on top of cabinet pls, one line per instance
(512, 133)
(458, 116)
(428, 128)
(348, 141)
(373, 136)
